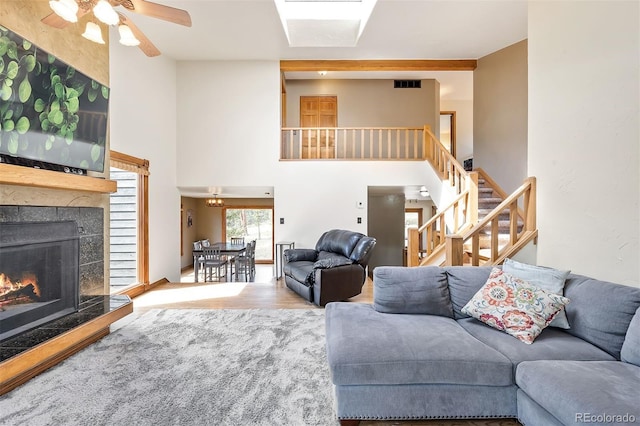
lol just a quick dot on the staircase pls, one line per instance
(490, 196)
(483, 225)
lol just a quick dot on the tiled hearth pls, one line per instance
(91, 307)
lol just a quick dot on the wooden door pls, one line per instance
(318, 111)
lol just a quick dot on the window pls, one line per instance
(129, 232)
(252, 223)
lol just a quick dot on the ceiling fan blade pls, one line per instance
(145, 44)
(155, 10)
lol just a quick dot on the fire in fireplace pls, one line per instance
(23, 290)
(39, 274)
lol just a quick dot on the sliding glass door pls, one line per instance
(252, 223)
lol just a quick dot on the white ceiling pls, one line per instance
(397, 29)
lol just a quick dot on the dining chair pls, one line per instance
(244, 263)
(213, 260)
(237, 240)
(198, 259)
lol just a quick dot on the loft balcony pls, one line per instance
(353, 143)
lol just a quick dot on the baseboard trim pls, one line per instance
(137, 290)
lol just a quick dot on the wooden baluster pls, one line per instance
(406, 144)
(513, 222)
(455, 217)
(494, 239)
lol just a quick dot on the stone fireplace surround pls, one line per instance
(90, 222)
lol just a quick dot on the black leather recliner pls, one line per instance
(334, 271)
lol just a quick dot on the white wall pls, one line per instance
(228, 123)
(143, 124)
(583, 135)
(315, 196)
(464, 126)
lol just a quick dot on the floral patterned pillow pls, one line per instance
(514, 306)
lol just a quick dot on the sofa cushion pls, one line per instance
(600, 312)
(552, 343)
(298, 270)
(327, 257)
(367, 347)
(338, 241)
(398, 290)
(514, 306)
(541, 276)
(631, 347)
(573, 390)
(464, 282)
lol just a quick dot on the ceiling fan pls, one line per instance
(66, 11)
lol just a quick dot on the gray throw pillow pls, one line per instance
(546, 278)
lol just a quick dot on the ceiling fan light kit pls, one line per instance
(126, 36)
(105, 13)
(93, 32)
(65, 11)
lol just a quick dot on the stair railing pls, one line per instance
(526, 195)
(496, 188)
(459, 215)
(434, 231)
(445, 164)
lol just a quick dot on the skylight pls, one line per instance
(324, 23)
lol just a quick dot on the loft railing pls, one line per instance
(352, 143)
(464, 248)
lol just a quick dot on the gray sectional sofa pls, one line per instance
(413, 354)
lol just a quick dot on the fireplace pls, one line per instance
(39, 274)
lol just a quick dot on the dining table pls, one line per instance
(228, 249)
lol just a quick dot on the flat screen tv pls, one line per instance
(50, 113)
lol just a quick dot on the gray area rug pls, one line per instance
(189, 367)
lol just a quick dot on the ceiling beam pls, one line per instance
(379, 65)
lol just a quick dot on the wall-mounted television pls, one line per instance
(50, 113)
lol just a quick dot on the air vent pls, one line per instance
(407, 84)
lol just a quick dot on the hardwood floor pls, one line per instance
(267, 293)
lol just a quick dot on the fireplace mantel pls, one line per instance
(27, 176)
